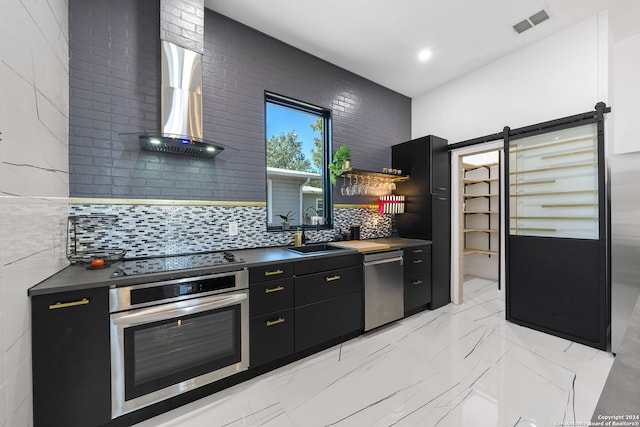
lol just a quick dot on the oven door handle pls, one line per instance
(177, 309)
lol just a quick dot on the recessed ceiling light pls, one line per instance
(424, 55)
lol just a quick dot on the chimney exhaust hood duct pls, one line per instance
(181, 107)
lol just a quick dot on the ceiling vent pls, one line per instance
(522, 26)
(539, 17)
(534, 19)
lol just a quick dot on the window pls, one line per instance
(297, 143)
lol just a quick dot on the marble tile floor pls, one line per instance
(460, 365)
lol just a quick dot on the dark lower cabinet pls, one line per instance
(327, 284)
(417, 279)
(271, 322)
(328, 302)
(270, 296)
(326, 320)
(417, 261)
(417, 294)
(294, 309)
(71, 364)
(271, 337)
(270, 272)
(315, 306)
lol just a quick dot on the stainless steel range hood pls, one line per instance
(181, 107)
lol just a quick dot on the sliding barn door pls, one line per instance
(557, 242)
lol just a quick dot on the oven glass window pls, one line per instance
(167, 352)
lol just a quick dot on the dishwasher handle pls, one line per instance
(383, 261)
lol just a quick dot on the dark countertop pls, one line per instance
(399, 242)
(396, 242)
(78, 277)
(621, 394)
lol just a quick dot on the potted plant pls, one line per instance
(341, 161)
(286, 219)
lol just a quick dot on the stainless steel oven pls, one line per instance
(174, 336)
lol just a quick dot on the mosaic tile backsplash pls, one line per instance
(144, 230)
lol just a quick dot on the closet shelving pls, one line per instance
(480, 207)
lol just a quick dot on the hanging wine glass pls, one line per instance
(368, 189)
(350, 187)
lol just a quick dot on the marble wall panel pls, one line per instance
(34, 104)
(34, 159)
(15, 20)
(50, 18)
(55, 122)
(33, 234)
(51, 72)
(3, 404)
(34, 153)
(35, 250)
(18, 361)
(3, 372)
(28, 180)
(17, 113)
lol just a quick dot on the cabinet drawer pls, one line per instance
(270, 272)
(417, 292)
(417, 261)
(417, 251)
(323, 321)
(270, 296)
(317, 265)
(329, 284)
(271, 337)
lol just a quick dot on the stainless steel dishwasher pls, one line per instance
(383, 288)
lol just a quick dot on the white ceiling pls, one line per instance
(380, 39)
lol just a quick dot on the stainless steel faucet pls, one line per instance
(304, 213)
(304, 216)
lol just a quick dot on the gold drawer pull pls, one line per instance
(418, 261)
(417, 282)
(275, 322)
(332, 278)
(444, 199)
(273, 273)
(276, 289)
(417, 251)
(441, 188)
(83, 301)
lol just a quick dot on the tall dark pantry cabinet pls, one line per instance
(427, 205)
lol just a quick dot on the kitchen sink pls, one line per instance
(322, 247)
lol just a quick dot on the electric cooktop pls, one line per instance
(161, 264)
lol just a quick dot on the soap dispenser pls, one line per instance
(297, 238)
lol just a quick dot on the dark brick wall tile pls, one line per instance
(241, 63)
(182, 23)
(114, 88)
